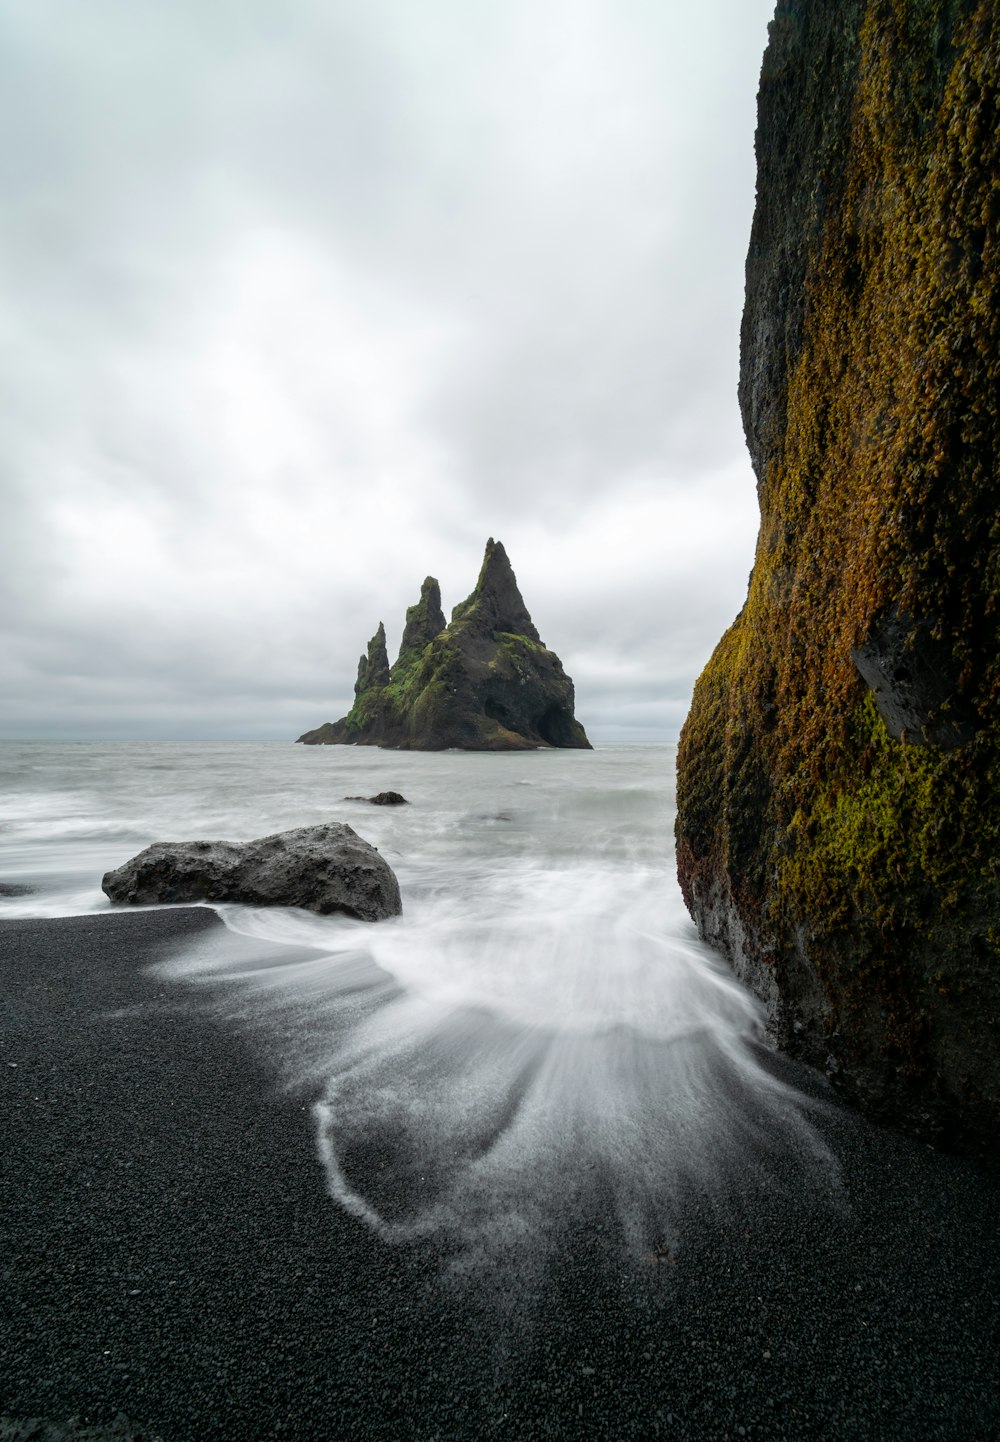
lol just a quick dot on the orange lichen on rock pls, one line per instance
(838, 814)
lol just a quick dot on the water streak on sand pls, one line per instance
(541, 1033)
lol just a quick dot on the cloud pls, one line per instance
(302, 303)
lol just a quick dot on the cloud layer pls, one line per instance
(304, 302)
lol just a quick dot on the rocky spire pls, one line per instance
(373, 669)
(496, 603)
(483, 683)
(424, 621)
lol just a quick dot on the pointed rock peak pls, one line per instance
(378, 659)
(430, 594)
(424, 621)
(373, 669)
(496, 602)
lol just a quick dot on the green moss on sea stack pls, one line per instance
(483, 683)
(838, 808)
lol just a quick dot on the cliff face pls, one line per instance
(838, 825)
(485, 682)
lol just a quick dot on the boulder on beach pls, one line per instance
(483, 682)
(320, 868)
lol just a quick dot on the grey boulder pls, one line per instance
(321, 868)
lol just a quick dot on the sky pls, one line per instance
(303, 302)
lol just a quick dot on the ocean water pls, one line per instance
(540, 1033)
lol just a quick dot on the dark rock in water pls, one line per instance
(484, 682)
(321, 868)
(12, 888)
(384, 798)
(838, 829)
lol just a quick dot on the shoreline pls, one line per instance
(170, 1253)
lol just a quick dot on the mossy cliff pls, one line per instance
(485, 682)
(838, 827)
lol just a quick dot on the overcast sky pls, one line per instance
(303, 301)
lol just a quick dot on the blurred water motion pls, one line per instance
(540, 1037)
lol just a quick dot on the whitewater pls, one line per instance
(540, 1029)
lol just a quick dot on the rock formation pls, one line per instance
(321, 868)
(424, 622)
(838, 827)
(485, 682)
(384, 798)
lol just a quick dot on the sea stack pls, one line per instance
(483, 682)
(838, 831)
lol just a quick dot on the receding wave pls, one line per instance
(520, 1042)
(540, 1034)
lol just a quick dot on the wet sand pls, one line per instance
(168, 1251)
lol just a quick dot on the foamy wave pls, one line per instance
(72, 901)
(540, 1030)
(551, 1034)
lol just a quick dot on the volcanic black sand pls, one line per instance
(168, 1252)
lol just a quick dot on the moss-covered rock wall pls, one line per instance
(838, 807)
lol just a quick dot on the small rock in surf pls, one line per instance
(384, 798)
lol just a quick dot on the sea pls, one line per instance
(541, 1019)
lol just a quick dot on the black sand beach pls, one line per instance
(168, 1251)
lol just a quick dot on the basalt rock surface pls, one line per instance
(320, 868)
(838, 830)
(484, 682)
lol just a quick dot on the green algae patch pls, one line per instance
(847, 856)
